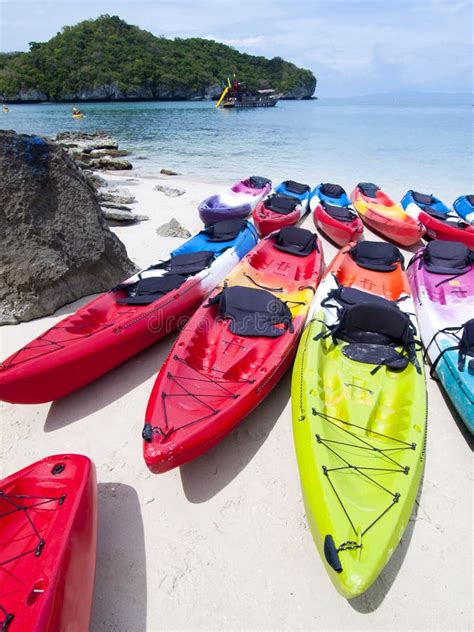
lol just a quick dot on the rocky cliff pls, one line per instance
(56, 246)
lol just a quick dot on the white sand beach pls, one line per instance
(222, 543)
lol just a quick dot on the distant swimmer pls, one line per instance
(6, 109)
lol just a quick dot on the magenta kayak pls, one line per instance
(236, 202)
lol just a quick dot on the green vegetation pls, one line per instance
(109, 52)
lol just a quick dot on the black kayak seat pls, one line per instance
(369, 189)
(281, 204)
(376, 255)
(470, 199)
(422, 199)
(332, 190)
(253, 312)
(447, 257)
(374, 331)
(296, 187)
(258, 182)
(442, 217)
(146, 291)
(177, 269)
(339, 213)
(346, 297)
(226, 230)
(188, 262)
(296, 241)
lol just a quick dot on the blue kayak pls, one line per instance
(234, 233)
(332, 194)
(424, 201)
(464, 207)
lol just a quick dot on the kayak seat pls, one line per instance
(258, 182)
(340, 213)
(281, 204)
(178, 268)
(296, 187)
(296, 241)
(447, 257)
(332, 190)
(253, 312)
(188, 263)
(423, 199)
(369, 189)
(466, 347)
(373, 332)
(346, 297)
(376, 255)
(146, 291)
(224, 231)
(436, 214)
(470, 199)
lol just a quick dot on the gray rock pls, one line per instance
(169, 191)
(117, 196)
(56, 244)
(169, 172)
(173, 229)
(110, 164)
(86, 141)
(96, 181)
(122, 207)
(122, 216)
(109, 153)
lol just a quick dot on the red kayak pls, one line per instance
(381, 213)
(119, 324)
(234, 350)
(447, 227)
(277, 211)
(48, 534)
(340, 223)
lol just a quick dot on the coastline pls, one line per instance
(222, 543)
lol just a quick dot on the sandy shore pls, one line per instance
(222, 543)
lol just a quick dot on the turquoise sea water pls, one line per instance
(423, 146)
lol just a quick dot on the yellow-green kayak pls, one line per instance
(359, 432)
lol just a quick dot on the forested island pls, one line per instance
(109, 60)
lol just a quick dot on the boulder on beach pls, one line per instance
(110, 164)
(57, 246)
(173, 229)
(86, 141)
(169, 191)
(122, 216)
(169, 172)
(117, 196)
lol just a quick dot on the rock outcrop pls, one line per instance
(169, 191)
(56, 244)
(173, 229)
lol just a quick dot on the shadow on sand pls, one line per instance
(109, 387)
(374, 596)
(120, 593)
(207, 476)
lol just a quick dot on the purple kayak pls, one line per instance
(237, 202)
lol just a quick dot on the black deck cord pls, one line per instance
(263, 287)
(454, 331)
(213, 411)
(7, 620)
(18, 507)
(350, 544)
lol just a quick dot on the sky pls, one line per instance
(352, 46)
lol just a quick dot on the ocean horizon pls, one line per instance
(414, 142)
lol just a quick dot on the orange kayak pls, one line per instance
(381, 214)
